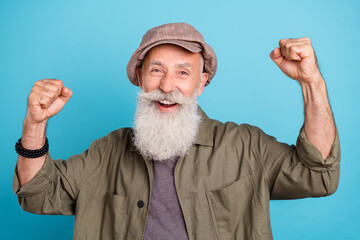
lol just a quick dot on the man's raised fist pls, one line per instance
(46, 99)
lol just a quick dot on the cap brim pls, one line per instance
(190, 46)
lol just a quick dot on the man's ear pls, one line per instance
(203, 80)
(139, 77)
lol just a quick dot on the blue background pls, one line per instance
(87, 44)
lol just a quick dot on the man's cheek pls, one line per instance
(151, 87)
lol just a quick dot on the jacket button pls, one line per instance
(140, 204)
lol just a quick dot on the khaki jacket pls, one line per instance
(224, 184)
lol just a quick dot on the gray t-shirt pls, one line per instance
(165, 220)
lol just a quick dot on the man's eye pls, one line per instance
(155, 70)
(183, 73)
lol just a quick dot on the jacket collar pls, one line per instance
(204, 136)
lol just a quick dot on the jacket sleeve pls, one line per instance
(54, 188)
(297, 171)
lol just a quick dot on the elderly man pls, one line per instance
(178, 174)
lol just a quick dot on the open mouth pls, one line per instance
(166, 105)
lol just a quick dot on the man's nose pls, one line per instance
(168, 83)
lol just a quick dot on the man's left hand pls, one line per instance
(296, 58)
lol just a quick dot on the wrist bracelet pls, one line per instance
(31, 153)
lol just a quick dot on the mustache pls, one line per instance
(175, 96)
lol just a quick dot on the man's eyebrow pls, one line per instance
(179, 65)
(184, 65)
(155, 62)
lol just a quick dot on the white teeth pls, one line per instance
(166, 102)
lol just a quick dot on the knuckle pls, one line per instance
(51, 94)
(282, 41)
(34, 91)
(58, 82)
(45, 80)
(44, 99)
(57, 89)
(35, 88)
(52, 88)
(38, 83)
(32, 96)
(53, 81)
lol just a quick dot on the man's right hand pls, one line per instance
(46, 99)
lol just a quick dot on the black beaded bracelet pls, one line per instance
(31, 153)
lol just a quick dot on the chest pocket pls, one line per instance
(235, 211)
(106, 217)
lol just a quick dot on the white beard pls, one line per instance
(161, 135)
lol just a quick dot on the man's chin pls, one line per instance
(165, 128)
